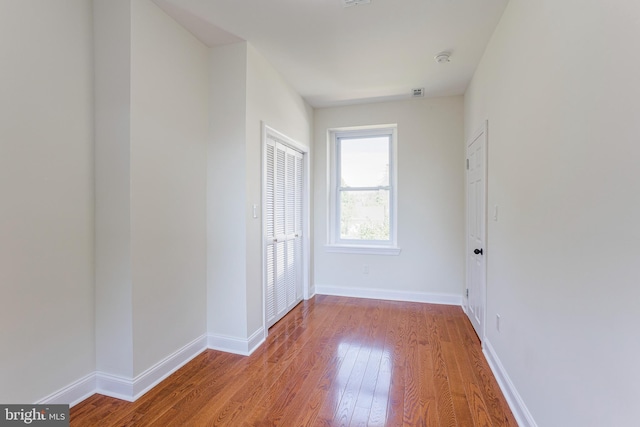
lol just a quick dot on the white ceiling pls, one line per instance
(334, 55)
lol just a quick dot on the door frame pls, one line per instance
(270, 132)
(482, 132)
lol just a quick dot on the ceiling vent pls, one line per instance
(417, 92)
(349, 3)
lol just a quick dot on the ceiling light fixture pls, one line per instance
(443, 57)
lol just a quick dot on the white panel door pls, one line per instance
(476, 213)
(283, 230)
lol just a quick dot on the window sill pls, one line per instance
(363, 249)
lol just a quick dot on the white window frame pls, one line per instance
(334, 242)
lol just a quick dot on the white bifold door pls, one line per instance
(283, 228)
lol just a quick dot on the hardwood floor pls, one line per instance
(332, 361)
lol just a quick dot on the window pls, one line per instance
(362, 217)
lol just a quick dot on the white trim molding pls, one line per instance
(363, 249)
(391, 295)
(312, 292)
(131, 389)
(517, 405)
(72, 394)
(114, 386)
(235, 345)
(167, 366)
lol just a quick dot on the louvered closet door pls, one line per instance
(284, 196)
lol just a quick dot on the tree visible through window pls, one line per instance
(364, 187)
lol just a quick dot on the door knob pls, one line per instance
(478, 251)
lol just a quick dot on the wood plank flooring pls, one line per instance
(332, 361)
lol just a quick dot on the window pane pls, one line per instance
(364, 162)
(364, 215)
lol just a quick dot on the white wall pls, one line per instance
(152, 93)
(46, 193)
(559, 85)
(430, 202)
(151, 133)
(112, 99)
(226, 193)
(245, 91)
(169, 131)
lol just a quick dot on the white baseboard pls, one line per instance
(114, 386)
(131, 389)
(517, 405)
(72, 394)
(385, 294)
(256, 339)
(235, 345)
(161, 370)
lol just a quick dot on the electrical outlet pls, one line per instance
(365, 269)
(498, 322)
